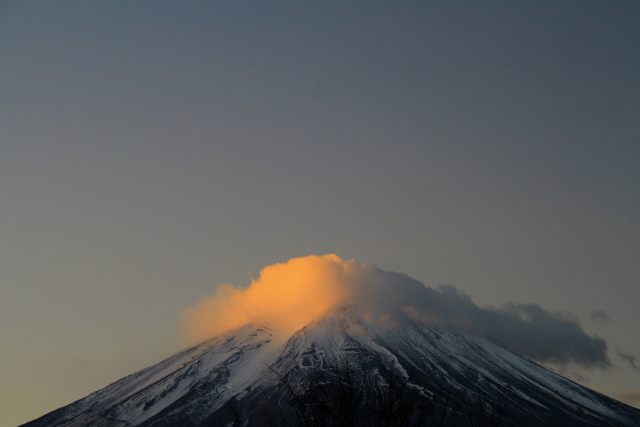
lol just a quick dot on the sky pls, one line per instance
(153, 151)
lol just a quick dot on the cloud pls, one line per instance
(630, 358)
(600, 316)
(292, 294)
(526, 329)
(287, 295)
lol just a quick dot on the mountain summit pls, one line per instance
(320, 341)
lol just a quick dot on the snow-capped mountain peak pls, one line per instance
(252, 377)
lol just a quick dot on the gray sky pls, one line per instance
(151, 151)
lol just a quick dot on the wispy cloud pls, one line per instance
(600, 316)
(629, 358)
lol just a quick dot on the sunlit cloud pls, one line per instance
(290, 295)
(286, 295)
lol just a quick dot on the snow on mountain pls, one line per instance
(252, 377)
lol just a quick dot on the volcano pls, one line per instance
(320, 341)
(344, 369)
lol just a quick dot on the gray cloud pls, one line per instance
(600, 316)
(526, 329)
(630, 358)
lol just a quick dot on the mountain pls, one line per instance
(344, 369)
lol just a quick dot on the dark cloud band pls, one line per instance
(526, 329)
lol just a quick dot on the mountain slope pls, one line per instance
(344, 366)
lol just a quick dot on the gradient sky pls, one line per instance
(152, 151)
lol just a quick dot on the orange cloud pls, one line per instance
(286, 295)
